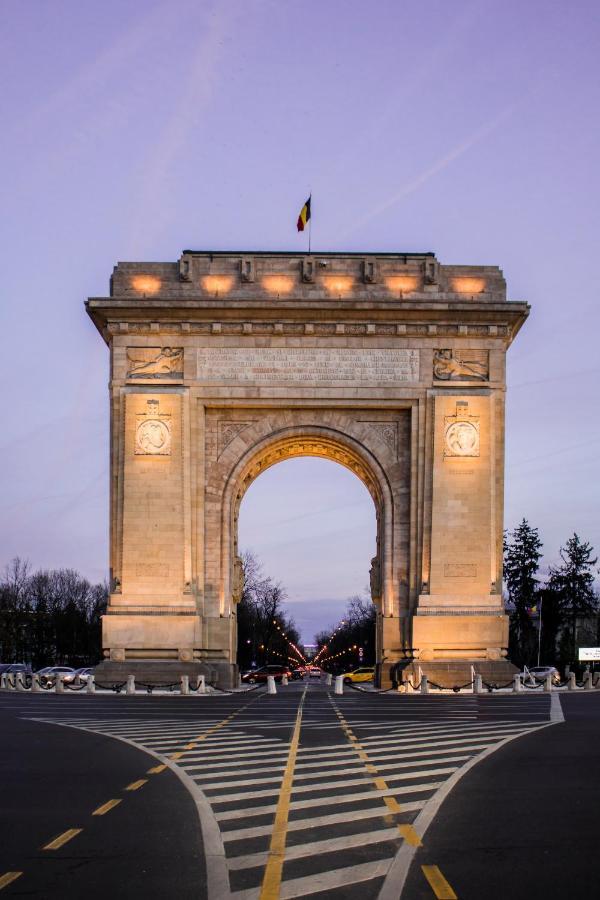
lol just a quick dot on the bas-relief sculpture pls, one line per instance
(155, 362)
(340, 377)
(450, 365)
(153, 432)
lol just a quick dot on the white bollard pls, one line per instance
(424, 685)
(328, 678)
(596, 680)
(477, 684)
(588, 685)
(339, 684)
(571, 682)
(185, 684)
(548, 684)
(201, 684)
(3, 682)
(271, 689)
(35, 683)
(284, 680)
(130, 689)
(91, 685)
(517, 684)
(20, 679)
(59, 685)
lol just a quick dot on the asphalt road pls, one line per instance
(304, 794)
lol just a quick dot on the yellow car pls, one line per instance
(366, 673)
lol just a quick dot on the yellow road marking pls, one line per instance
(190, 747)
(392, 804)
(410, 835)
(271, 884)
(106, 807)
(438, 883)
(62, 839)
(155, 770)
(380, 784)
(136, 785)
(8, 878)
(176, 755)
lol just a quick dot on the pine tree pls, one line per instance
(572, 584)
(522, 553)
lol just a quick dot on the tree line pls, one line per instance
(266, 633)
(566, 605)
(339, 647)
(50, 616)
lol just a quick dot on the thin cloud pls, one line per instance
(437, 167)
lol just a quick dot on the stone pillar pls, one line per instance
(130, 689)
(339, 684)
(185, 684)
(91, 685)
(59, 685)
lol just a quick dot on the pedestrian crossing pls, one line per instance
(365, 769)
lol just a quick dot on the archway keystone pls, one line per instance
(215, 376)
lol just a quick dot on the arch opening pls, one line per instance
(323, 444)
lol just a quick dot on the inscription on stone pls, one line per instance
(307, 365)
(460, 570)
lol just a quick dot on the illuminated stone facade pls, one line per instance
(222, 364)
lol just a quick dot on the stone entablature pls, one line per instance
(222, 364)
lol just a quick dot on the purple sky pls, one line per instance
(132, 130)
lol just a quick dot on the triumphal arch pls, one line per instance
(225, 363)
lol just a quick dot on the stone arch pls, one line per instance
(326, 443)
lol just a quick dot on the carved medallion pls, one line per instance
(461, 433)
(153, 432)
(155, 362)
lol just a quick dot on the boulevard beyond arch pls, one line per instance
(224, 363)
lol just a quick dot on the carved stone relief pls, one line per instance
(238, 580)
(155, 362)
(153, 431)
(375, 579)
(461, 433)
(226, 433)
(387, 432)
(454, 365)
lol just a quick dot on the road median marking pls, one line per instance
(271, 884)
(106, 807)
(410, 835)
(8, 878)
(438, 883)
(62, 839)
(136, 785)
(156, 770)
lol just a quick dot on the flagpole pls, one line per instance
(310, 223)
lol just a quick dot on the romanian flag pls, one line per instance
(304, 216)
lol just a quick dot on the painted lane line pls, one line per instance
(271, 883)
(410, 835)
(410, 759)
(438, 883)
(368, 794)
(156, 770)
(364, 780)
(324, 881)
(62, 839)
(136, 785)
(106, 807)
(8, 878)
(313, 822)
(316, 848)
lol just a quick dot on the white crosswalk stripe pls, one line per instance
(340, 827)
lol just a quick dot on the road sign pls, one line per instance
(589, 653)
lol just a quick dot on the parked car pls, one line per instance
(81, 674)
(539, 673)
(297, 674)
(49, 673)
(255, 676)
(365, 673)
(12, 668)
